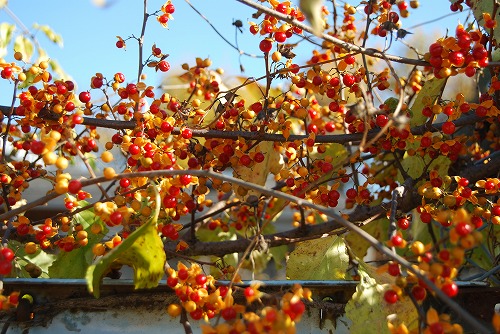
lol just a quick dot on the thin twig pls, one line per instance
(343, 44)
(241, 52)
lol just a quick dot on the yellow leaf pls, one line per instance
(319, 259)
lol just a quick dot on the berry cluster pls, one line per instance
(463, 53)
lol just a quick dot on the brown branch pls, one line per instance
(248, 135)
(221, 248)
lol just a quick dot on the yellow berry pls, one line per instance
(276, 56)
(43, 65)
(49, 158)
(30, 248)
(174, 310)
(417, 248)
(190, 306)
(62, 163)
(82, 235)
(107, 156)
(98, 249)
(109, 172)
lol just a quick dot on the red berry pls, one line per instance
(425, 217)
(463, 228)
(23, 229)
(116, 218)
(397, 240)
(5, 267)
(134, 149)
(495, 210)
(348, 79)
(298, 307)
(266, 45)
(185, 179)
(381, 120)
(74, 186)
(450, 289)
(186, 133)
(280, 37)
(259, 157)
(249, 292)
(201, 279)
(228, 313)
(403, 223)
(124, 183)
(183, 274)
(37, 147)
(8, 254)
(489, 185)
(351, 193)
(172, 281)
(390, 296)
(163, 18)
(164, 66)
(437, 328)
(448, 128)
(84, 97)
(393, 269)
(419, 292)
(169, 8)
(463, 182)
(245, 160)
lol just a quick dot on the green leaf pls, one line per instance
(358, 245)
(367, 306)
(335, 150)
(40, 258)
(51, 35)
(74, 264)
(142, 250)
(485, 6)
(6, 31)
(25, 46)
(428, 94)
(414, 165)
(319, 259)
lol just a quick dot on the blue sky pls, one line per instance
(89, 34)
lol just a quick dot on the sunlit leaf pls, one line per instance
(142, 250)
(367, 306)
(319, 259)
(358, 245)
(6, 31)
(427, 95)
(51, 35)
(258, 173)
(313, 9)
